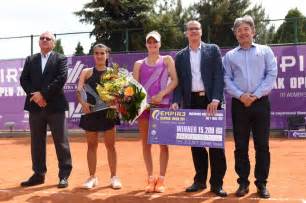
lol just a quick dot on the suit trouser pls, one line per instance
(38, 126)
(200, 155)
(255, 118)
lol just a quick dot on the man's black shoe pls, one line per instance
(263, 192)
(63, 183)
(195, 187)
(218, 191)
(35, 179)
(242, 190)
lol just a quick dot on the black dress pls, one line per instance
(96, 121)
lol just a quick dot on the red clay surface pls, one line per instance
(287, 181)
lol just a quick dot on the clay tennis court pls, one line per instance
(287, 181)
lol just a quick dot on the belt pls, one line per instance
(198, 94)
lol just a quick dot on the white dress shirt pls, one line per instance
(195, 62)
(44, 59)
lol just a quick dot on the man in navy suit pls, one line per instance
(43, 77)
(200, 73)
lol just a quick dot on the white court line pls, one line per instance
(154, 196)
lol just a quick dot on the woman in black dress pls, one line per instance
(95, 122)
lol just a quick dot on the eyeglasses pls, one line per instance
(193, 28)
(45, 38)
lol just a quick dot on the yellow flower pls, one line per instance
(129, 91)
(108, 86)
(107, 76)
(107, 97)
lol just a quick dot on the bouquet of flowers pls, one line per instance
(123, 93)
(132, 101)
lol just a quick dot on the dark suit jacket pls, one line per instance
(50, 83)
(211, 72)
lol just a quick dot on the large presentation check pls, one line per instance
(188, 127)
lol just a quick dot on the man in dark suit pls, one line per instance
(43, 77)
(200, 73)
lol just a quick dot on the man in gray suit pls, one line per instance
(43, 77)
(200, 73)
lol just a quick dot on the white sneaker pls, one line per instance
(90, 182)
(116, 183)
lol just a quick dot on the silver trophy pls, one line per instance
(100, 105)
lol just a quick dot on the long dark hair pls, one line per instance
(108, 50)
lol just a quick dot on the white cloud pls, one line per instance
(23, 18)
(277, 9)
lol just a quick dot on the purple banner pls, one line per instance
(289, 94)
(187, 127)
(296, 133)
(12, 95)
(288, 97)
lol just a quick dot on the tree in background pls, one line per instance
(128, 31)
(79, 50)
(168, 19)
(217, 18)
(122, 24)
(264, 31)
(268, 36)
(111, 17)
(58, 46)
(293, 29)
